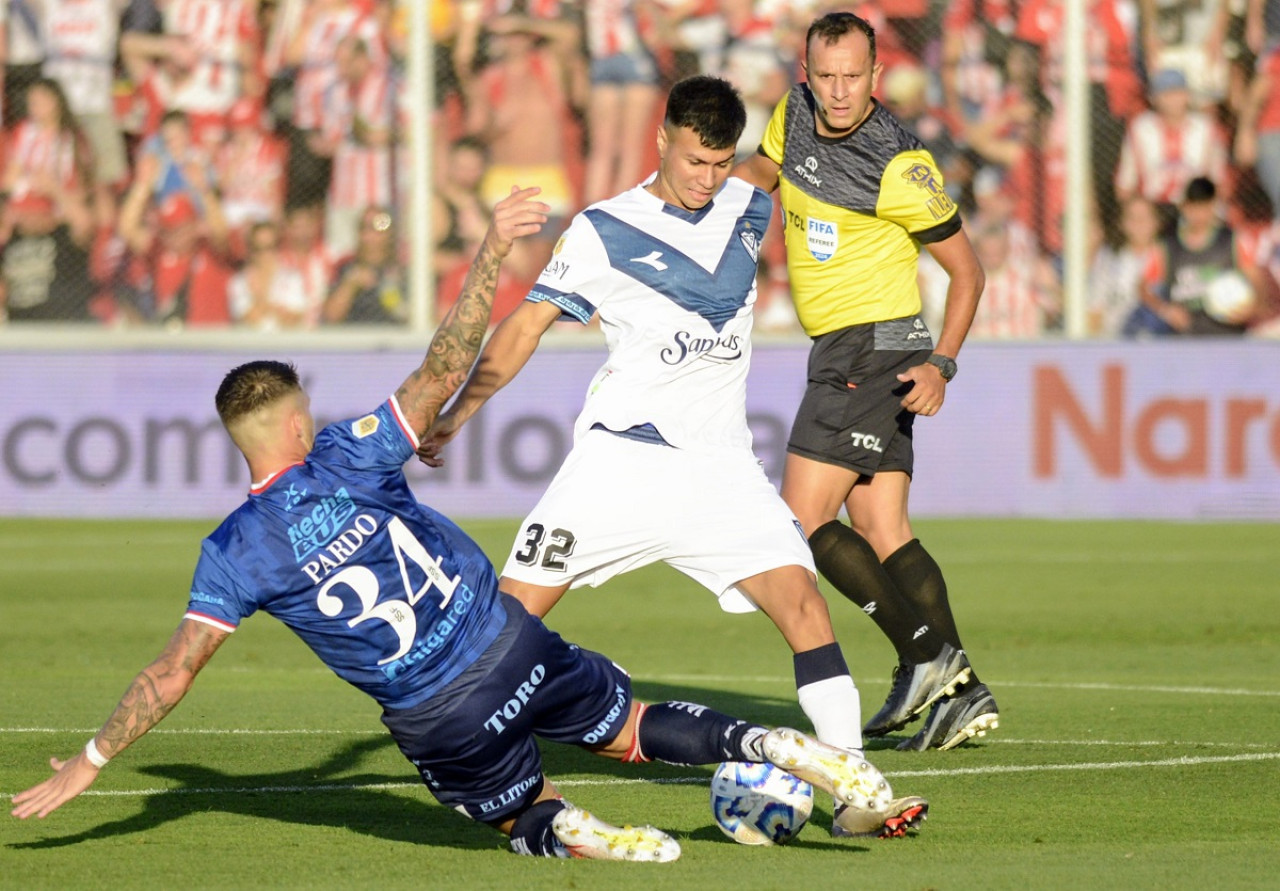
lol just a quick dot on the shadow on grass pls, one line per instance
(288, 796)
(351, 800)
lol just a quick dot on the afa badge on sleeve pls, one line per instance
(366, 426)
(824, 239)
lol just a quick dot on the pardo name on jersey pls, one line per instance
(342, 548)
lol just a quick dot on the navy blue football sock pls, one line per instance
(687, 733)
(532, 836)
(818, 664)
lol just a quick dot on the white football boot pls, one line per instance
(846, 775)
(588, 837)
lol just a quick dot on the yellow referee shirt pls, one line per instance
(856, 210)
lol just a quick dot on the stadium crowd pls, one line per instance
(241, 162)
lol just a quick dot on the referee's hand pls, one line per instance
(928, 390)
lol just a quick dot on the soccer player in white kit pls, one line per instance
(662, 467)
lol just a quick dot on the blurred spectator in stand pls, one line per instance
(976, 36)
(170, 161)
(1257, 141)
(915, 22)
(622, 102)
(279, 21)
(154, 81)
(1168, 146)
(179, 265)
(356, 132)
(205, 58)
(302, 250)
(266, 294)
(459, 215)
(1117, 273)
(1115, 89)
(1022, 132)
(46, 145)
(250, 169)
(905, 92)
(739, 41)
(1021, 300)
(995, 204)
(1251, 218)
(1239, 29)
(1201, 248)
(735, 40)
(370, 287)
(460, 218)
(44, 260)
(1266, 322)
(81, 37)
(1183, 35)
(312, 54)
(21, 55)
(518, 105)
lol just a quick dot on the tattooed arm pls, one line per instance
(504, 355)
(152, 695)
(457, 341)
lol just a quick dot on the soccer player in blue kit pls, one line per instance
(399, 602)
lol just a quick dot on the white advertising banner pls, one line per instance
(1169, 430)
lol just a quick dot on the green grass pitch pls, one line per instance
(1137, 667)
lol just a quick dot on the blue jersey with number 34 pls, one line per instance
(390, 594)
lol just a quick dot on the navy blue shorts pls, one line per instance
(473, 742)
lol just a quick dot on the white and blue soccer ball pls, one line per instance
(1229, 298)
(759, 804)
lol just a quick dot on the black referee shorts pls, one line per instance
(851, 414)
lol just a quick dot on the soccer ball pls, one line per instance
(1229, 298)
(759, 804)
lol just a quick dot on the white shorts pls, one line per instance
(618, 504)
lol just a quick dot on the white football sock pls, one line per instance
(835, 710)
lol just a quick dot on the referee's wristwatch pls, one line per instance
(945, 364)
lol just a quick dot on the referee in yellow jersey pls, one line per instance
(860, 195)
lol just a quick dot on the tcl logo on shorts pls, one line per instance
(867, 441)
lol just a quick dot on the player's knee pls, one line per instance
(810, 609)
(811, 517)
(804, 620)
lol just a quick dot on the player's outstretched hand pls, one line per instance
(71, 778)
(515, 216)
(444, 429)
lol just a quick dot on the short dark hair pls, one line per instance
(710, 107)
(470, 143)
(1200, 190)
(253, 385)
(834, 25)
